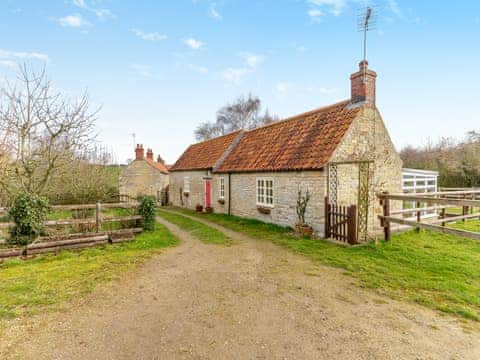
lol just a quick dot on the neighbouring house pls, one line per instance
(144, 175)
(341, 153)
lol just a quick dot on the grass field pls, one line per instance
(204, 233)
(439, 271)
(46, 282)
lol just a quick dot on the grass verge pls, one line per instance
(28, 287)
(436, 270)
(204, 233)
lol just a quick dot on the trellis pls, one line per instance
(363, 192)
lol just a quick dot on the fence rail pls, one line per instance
(81, 240)
(467, 200)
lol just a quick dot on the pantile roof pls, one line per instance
(303, 142)
(204, 155)
(159, 166)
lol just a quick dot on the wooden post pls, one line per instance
(443, 215)
(327, 218)
(98, 217)
(419, 215)
(386, 213)
(352, 224)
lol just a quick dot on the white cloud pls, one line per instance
(8, 63)
(153, 36)
(73, 21)
(251, 63)
(315, 14)
(234, 75)
(197, 68)
(214, 13)
(102, 14)
(318, 8)
(193, 43)
(321, 90)
(282, 88)
(141, 69)
(393, 5)
(20, 55)
(253, 60)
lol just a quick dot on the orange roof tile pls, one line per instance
(303, 142)
(204, 155)
(159, 166)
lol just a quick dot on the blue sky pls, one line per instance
(158, 68)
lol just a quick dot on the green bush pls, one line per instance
(28, 213)
(147, 209)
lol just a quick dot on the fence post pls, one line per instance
(327, 218)
(419, 215)
(352, 224)
(386, 213)
(443, 215)
(98, 217)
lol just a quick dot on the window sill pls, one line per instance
(264, 209)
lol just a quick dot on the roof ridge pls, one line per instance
(306, 113)
(217, 137)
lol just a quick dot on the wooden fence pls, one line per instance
(467, 200)
(78, 240)
(341, 222)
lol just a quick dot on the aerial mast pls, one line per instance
(367, 20)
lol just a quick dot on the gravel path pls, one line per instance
(251, 300)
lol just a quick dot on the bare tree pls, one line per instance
(42, 129)
(244, 113)
(207, 130)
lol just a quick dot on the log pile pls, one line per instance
(69, 242)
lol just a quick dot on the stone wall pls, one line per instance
(285, 189)
(197, 189)
(368, 139)
(140, 178)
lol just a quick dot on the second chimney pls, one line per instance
(149, 154)
(363, 85)
(160, 160)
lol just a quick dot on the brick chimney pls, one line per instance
(149, 154)
(363, 85)
(139, 152)
(160, 160)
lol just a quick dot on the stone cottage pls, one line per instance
(144, 175)
(341, 152)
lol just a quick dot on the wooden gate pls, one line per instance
(341, 222)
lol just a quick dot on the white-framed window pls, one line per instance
(221, 188)
(265, 192)
(186, 184)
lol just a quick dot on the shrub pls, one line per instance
(28, 213)
(147, 209)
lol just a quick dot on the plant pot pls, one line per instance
(208, 210)
(221, 201)
(199, 208)
(264, 210)
(304, 230)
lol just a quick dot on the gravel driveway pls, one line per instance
(251, 300)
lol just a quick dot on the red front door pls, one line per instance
(208, 193)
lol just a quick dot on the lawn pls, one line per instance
(46, 282)
(436, 270)
(202, 232)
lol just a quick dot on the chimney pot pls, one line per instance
(160, 160)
